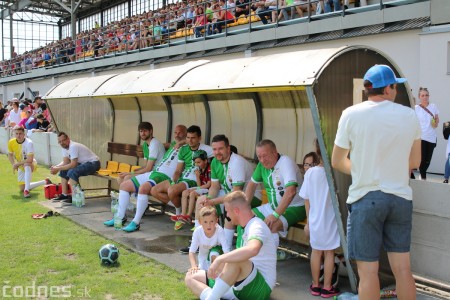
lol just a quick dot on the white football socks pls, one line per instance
(229, 234)
(36, 184)
(141, 206)
(124, 199)
(219, 289)
(27, 177)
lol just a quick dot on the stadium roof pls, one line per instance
(55, 8)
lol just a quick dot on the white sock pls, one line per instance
(27, 177)
(196, 223)
(205, 293)
(36, 184)
(178, 210)
(229, 234)
(141, 206)
(219, 289)
(124, 199)
(276, 239)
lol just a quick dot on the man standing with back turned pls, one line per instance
(383, 139)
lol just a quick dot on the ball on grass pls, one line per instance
(108, 254)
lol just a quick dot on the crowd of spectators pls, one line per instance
(31, 115)
(191, 17)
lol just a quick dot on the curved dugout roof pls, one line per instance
(301, 68)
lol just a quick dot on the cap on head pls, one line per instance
(200, 154)
(381, 76)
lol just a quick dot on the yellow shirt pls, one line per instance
(20, 151)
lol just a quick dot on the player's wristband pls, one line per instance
(276, 215)
(209, 197)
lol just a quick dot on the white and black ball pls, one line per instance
(108, 254)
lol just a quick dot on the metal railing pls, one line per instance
(178, 27)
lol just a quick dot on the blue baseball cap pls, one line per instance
(381, 76)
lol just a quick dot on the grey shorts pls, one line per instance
(378, 219)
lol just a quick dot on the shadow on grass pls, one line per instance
(110, 266)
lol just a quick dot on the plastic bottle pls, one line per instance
(114, 202)
(76, 196)
(82, 198)
(117, 221)
(346, 296)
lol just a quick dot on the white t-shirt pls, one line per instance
(203, 243)
(156, 151)
(79, 151)
(428, 132)
(236, 172)
(285, 173)
(379, 136)
(266, 260)
(322, 222)
(15, 116)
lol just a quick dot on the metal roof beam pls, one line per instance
(17, 6)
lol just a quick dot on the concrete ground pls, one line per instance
(156, 239)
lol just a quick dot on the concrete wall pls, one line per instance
(430, 247)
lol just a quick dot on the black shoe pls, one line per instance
(61, 197)
(445, 181)
(184, 250)
(66, 202)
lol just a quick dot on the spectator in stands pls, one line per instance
(143, 185)
(428, 115)
(189, 196)
(143, 42)
(267, 11)
(229, 172)
(14, 114)
(78, 160)
(208, 239)
(230, 6)
(321, 228)
(379, 198)
(184, 176)
(29, 122)
(281, 178)
(242, 8)
(246, 273)
(21, 157)
(222, 18)
(42, 124)
(200, 21)
(3, 114)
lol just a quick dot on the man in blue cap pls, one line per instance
(383, 139)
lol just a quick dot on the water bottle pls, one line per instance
(82, 198)
(76, 196)
(117, 221)
(114, 202)
(346, 296)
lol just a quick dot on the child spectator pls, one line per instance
(209, 239)
(189, 196)
(321, 228)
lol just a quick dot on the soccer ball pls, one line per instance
(109, 254)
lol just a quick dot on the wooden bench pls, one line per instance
(113, 168)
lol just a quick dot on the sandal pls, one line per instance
(50, 213)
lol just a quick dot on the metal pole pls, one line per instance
(73, 20)
(329, 174)
(11, 45)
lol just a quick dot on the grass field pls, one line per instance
(56, 258)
